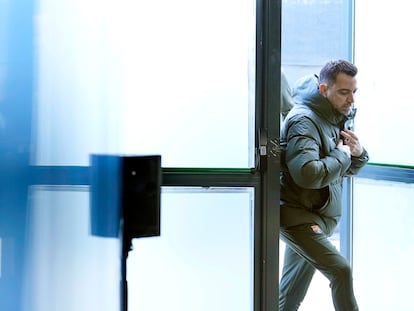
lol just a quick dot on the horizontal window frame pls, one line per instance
(188, 177)
(387, 172)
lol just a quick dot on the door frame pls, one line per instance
(264, 177)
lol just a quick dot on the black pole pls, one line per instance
(126, 247)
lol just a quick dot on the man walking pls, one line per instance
(318, 151)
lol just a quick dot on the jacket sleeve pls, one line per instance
(358, 163)
(305, 161)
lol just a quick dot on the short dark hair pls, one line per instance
(330, 71)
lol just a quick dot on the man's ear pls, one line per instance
(323, 88)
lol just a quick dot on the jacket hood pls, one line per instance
(306, 92)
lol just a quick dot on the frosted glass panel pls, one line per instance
(175, 78)
(66, 268)
(383, 244)
(381, 55)
(203, 259)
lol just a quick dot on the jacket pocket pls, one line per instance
(327, 200)
(315, 200)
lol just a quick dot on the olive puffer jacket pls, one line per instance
(312, 168)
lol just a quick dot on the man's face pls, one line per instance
(341, 93)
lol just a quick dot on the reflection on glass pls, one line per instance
(322, 34)
(3, 55)
(66, 268)
(203, 259)
(133, 79)
(383, 244)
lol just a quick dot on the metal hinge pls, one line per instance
(261, 154)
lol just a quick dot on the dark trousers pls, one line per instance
(307, 250)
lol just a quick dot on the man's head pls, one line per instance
(338, 84)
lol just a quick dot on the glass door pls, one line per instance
(324, 33)
(193, 81)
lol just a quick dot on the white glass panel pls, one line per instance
(67, 268)
(385, 67)
(203, 259)
(383, 244)
(175, 78)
